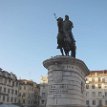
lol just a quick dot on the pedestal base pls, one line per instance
(66, 81)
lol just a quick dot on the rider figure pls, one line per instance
(67, 28)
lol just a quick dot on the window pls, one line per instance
(20, 87)
(87, 102)
(99, 85)
(105, 86)
(43, 101)
(0, 89)
(12, 91)
(93, 86)
(99, 94)
(87, 93)
(15, 100)
(105, 94)
(87, 86)
(4, 89)
(16, 83)
(9, 80)
(11, 99)
(43, 86)
(62, 86)
(19, 101)
(105, 102)
(24, 101)
(93, 80)
(3, 97)
(93, 102)
(24, 87)
(5, 81)
(24, 95)
(16, 92)
(99, 79)
(7, 99)
(100, 102)
(43, 94)
(13, 83)
(93, 94)
(103, 79)
(0, 80)
(8, 90)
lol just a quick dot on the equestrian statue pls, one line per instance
(65, 40)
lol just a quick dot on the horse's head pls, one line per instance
(60, 19)
(60, 24)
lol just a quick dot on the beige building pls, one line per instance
(43, 91)
(28, 93)
(96, 89)
(8, 88)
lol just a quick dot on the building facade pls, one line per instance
(19, 92)
(8, 88)
(43, 91)
(28, 93)
(96, 89)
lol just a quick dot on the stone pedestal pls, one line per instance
(66, 81)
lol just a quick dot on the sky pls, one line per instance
(28, 31)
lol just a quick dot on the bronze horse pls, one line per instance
(62, 42)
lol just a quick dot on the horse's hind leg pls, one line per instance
(73, 53)
(62, 52)
(66, 52)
